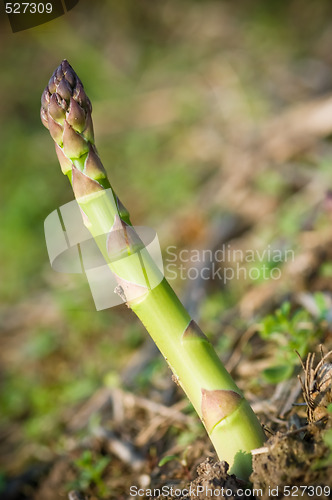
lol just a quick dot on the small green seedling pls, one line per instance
(291, 331)
(182, 460)
(90, 471)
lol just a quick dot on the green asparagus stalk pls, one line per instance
(228, 418)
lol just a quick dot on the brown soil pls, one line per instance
(290, 461)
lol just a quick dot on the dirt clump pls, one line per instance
(291, 461)
(214, 482)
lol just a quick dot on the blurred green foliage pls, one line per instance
(90, 469)
(291, 332)
(2, 481)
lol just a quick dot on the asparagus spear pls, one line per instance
(229, 420)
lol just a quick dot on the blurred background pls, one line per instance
(214, 122)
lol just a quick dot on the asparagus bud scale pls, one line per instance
(228, 418)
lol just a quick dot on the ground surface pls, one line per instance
(214, 122)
